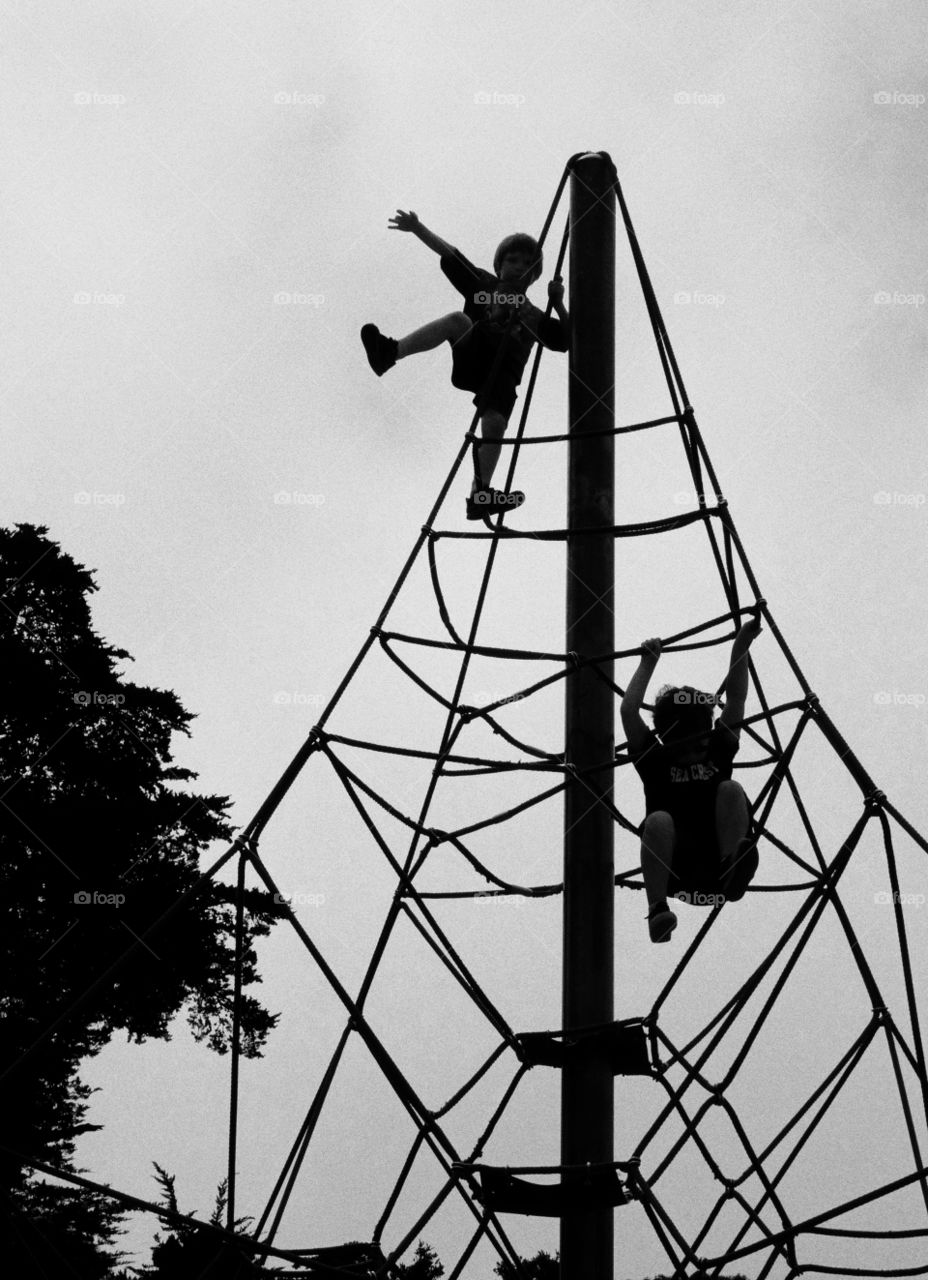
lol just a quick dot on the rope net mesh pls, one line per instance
(781, 1124)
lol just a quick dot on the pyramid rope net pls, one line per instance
(751, 1218)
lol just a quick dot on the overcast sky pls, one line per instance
(195, 228)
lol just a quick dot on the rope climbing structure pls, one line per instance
(752, 1138)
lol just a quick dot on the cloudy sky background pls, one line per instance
(247, 491)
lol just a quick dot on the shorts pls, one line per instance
(472, 360)
(696, 871)
(696, 867)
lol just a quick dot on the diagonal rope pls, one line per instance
(779, 1237)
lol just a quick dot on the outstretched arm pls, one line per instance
(636, 731)
(402, 221)
(736, 682)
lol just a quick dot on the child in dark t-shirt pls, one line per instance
(491, 339)
(694, 839)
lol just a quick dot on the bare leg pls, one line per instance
(448, 328)
(731, 817)
(657, 841)
(493, 426)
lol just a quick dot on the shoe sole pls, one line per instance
(480, 510)
(370, 337)
(667, 921)
(485, 512)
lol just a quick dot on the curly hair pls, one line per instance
(680, 711)
(526, 243)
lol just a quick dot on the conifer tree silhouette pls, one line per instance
(99, 837)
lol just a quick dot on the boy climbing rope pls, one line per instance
(495, 331)
(694, 839)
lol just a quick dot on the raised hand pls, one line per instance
(751, 628)
(556, 290)
(403, 221)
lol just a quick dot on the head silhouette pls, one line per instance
(681, 712)
(521, 243)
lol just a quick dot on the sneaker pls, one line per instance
(381, 351)
(739, 872)
(489, 502)
(661, 922)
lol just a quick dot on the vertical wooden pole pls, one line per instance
(587, 1086)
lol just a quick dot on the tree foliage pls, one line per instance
(187, 1252)
(424, 1266)
(541, 1267)
(100, 835)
